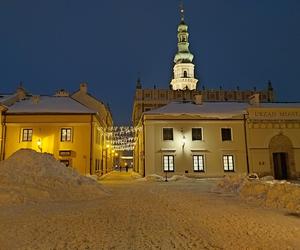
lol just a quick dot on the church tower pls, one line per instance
(184, 69)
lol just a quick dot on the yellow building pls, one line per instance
(60, 125)
(101, 130)
(215, 138)
(273, 132)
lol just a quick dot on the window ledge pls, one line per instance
(167, 150)
(199, 150)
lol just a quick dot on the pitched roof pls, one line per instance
(218, 110)
(221, 110)
(49, 104)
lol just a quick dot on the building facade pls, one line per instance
(61, 125)
(214, 139)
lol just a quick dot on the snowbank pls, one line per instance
(29, 176)
(158, 178)
(271, 193)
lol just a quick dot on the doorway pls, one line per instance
(280, 163)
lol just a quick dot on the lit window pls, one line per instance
(198, 163)
(66, 134)
(168, 163)
(167, 134)
(226, 134)
(197, 134)
(27, 134)
(228, 163)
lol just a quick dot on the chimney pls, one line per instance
(83, 87)
(254, 99)
(21, 94)
(198, 99)
(35, 99)
(61, 93)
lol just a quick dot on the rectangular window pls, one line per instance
(197, 134)
(226, 134)
(228, 163)
(167, 134)
(66, 134)
(168, 162)
(198, 163)
(27, 134)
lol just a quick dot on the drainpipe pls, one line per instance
(246, 144)
(3, 138)
(91, 146)
(144, 155)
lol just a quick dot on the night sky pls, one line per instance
(54, 44)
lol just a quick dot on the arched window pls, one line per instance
(185, 75)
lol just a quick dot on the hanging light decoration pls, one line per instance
(122, 138)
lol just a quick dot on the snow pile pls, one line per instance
(179, 178)
(28, 176)
(271, 193)
(231, 183)
(152, 177)
(158, 178)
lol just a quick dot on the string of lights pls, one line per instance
(121, 137)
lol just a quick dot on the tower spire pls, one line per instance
(183, 70)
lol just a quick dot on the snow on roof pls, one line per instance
(221, 110)
(49, 104)
(5, 97)
(280, 105)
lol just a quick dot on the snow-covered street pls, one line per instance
(149, 215)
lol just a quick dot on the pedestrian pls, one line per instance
(120, 168)
(126, 168)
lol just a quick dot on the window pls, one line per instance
(198, 163)
(185, 75)
(168, 163)
(197, 134)
(226, 134)
(228, 163)
(27, 134)
(66, 134)
(167, 134)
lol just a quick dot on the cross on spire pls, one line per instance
(181, 6)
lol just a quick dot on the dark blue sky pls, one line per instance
(53, 44)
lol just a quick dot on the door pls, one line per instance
(280, 166)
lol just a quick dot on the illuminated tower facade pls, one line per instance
(184, 69)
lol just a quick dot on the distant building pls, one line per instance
(185, 86)
(211, 139)
(72, 128)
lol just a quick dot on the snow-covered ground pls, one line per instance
(182, 214)
(265, 191)
(44, 205)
